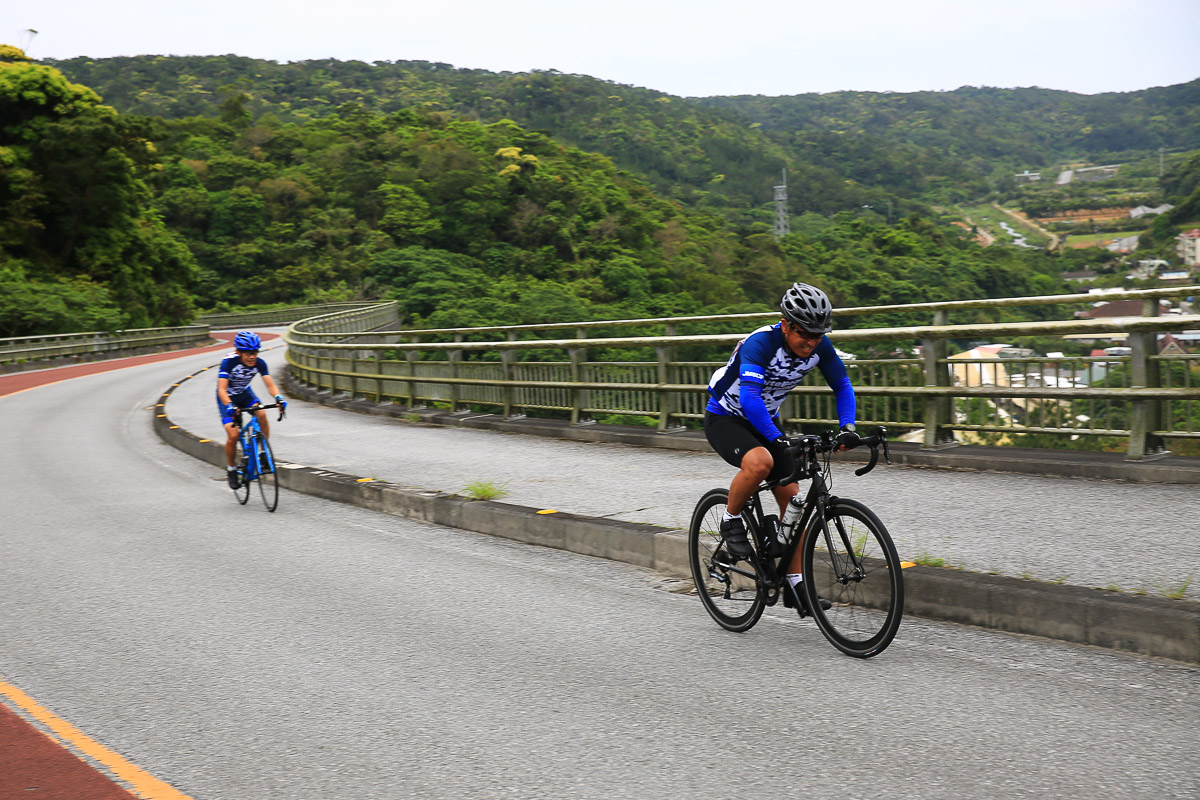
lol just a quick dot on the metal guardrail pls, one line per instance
(42, 348)
(1143, 396)
(940, 311)
(277, 316)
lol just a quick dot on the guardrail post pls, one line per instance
(939, 411)
(506, 365)
(410, 358)
(376, 357)
(455, 356)
(667, 401)
(580, 397)
(1145, 415)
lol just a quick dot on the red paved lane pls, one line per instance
(20, 381)
(32, 764)
(35, 766)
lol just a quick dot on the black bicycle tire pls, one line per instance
(699, 557)
(268, 479)
(242, 493)
(851, 602)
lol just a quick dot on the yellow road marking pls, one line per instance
(907, 564)
(174, 427)
(364, 480)
(205, 440)
(133, 777)
(548, 511)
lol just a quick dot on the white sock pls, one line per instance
(232, 469)
(795, 578)
(730, 516)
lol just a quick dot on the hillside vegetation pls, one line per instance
(471, 197)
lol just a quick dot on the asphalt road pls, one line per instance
(329, 652)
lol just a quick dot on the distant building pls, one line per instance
(1096, 173)
(1118, 308)
(1168, 345)
(1064, 177)
(1125, 244)
(1188, 247)
(1080, 275)
(1142, 211)
(1028, 177)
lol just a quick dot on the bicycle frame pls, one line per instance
(773, 569)
(247, 434)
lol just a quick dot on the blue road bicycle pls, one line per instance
(255, 459)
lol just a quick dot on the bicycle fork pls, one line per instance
(838, 562)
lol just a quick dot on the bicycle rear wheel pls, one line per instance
(242, 493)
(268, 482)
(731, 592)
(852, 563)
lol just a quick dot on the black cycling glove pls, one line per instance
(848, 438)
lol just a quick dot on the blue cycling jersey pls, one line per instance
(238, 374)
(762, 371)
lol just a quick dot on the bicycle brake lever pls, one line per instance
(887, 456)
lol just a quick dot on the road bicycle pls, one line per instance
(848, 558)
(255, 459)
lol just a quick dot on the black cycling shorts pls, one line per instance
(733, 437)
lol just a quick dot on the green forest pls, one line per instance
(138, 191)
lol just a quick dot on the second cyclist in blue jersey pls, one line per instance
(233, 392)
(742, 421)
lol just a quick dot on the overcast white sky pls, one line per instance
(684, 47)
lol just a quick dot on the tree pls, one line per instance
(73, 204)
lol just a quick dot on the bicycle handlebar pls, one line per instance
(260, 407)
(827, 443)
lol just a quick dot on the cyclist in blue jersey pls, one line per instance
(741, 420)
(234, 392)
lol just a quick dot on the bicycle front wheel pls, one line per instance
(851, 562)
(730, 590)
(242, 493)
(268, 480)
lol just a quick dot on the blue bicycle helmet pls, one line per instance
(247, 340)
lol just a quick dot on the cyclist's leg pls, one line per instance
(264, 424)
(231, 437)
(736, 441)
(231, 433)
(755, 467)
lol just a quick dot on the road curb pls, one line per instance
(1140, 624)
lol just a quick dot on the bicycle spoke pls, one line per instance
(858, 572)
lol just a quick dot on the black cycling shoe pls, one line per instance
(235, 481)
(733, 531)
(788, 602)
